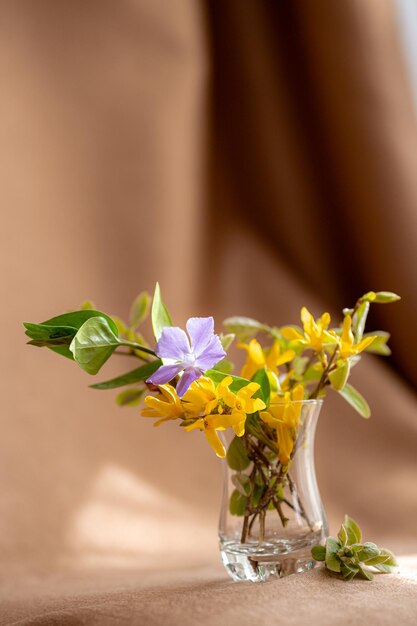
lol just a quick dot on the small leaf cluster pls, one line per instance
(348, 556)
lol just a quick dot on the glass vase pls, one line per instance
(271, 513)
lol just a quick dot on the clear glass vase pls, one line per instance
(272, 512)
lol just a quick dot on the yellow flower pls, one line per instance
(284, 415)
(201, 398)
(315, 334)
(212, 423)
(242, 402)
(257, 358)
(347, 346)
(167, 408)
(232, 409)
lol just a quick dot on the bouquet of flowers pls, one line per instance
(254, 419)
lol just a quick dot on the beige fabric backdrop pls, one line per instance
(253, 157)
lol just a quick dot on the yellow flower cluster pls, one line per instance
(283, 415)
(206, 407)
(314, 335)
(317, 336)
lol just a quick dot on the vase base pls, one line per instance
(269, 563)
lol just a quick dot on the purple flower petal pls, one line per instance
(190, 375)
(212, 354)
(165, 374)
(173, 344)
(201, 331)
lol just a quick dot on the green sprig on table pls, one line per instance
(348, 556)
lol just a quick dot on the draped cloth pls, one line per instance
(253, 157)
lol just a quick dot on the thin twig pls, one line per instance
(258, 452)
(314, 394)
(251, 523)
(277, 505)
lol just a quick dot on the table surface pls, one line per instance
(206, 596)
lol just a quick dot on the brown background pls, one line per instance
(251, 156)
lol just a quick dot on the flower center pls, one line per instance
(189, 359)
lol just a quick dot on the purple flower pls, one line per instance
(191, 355)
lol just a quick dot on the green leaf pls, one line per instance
(378, 346)
(377, 560)
(339, 376)
(225, 366)
(130, 397)
(356, 400)
(242, 483)
(264, 392)
(332, 560)
(140, 373)
(237, 457)
(244, 327)
(57, 338)
(51, 343)
(365, 573)
(160, 316)
(63, 351)
(237, 381)
(318, 553)
(76, 319)
(391, 561)
(226, 340)
(353, 530)
(384, 569)
(257, 495)
(93, 344)
(46, 332)
(369, 551)
(237, 504)
(343, 535)
(349, 571)
(359, 320)
(383, 297)
(280, 492)
(140, 309)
